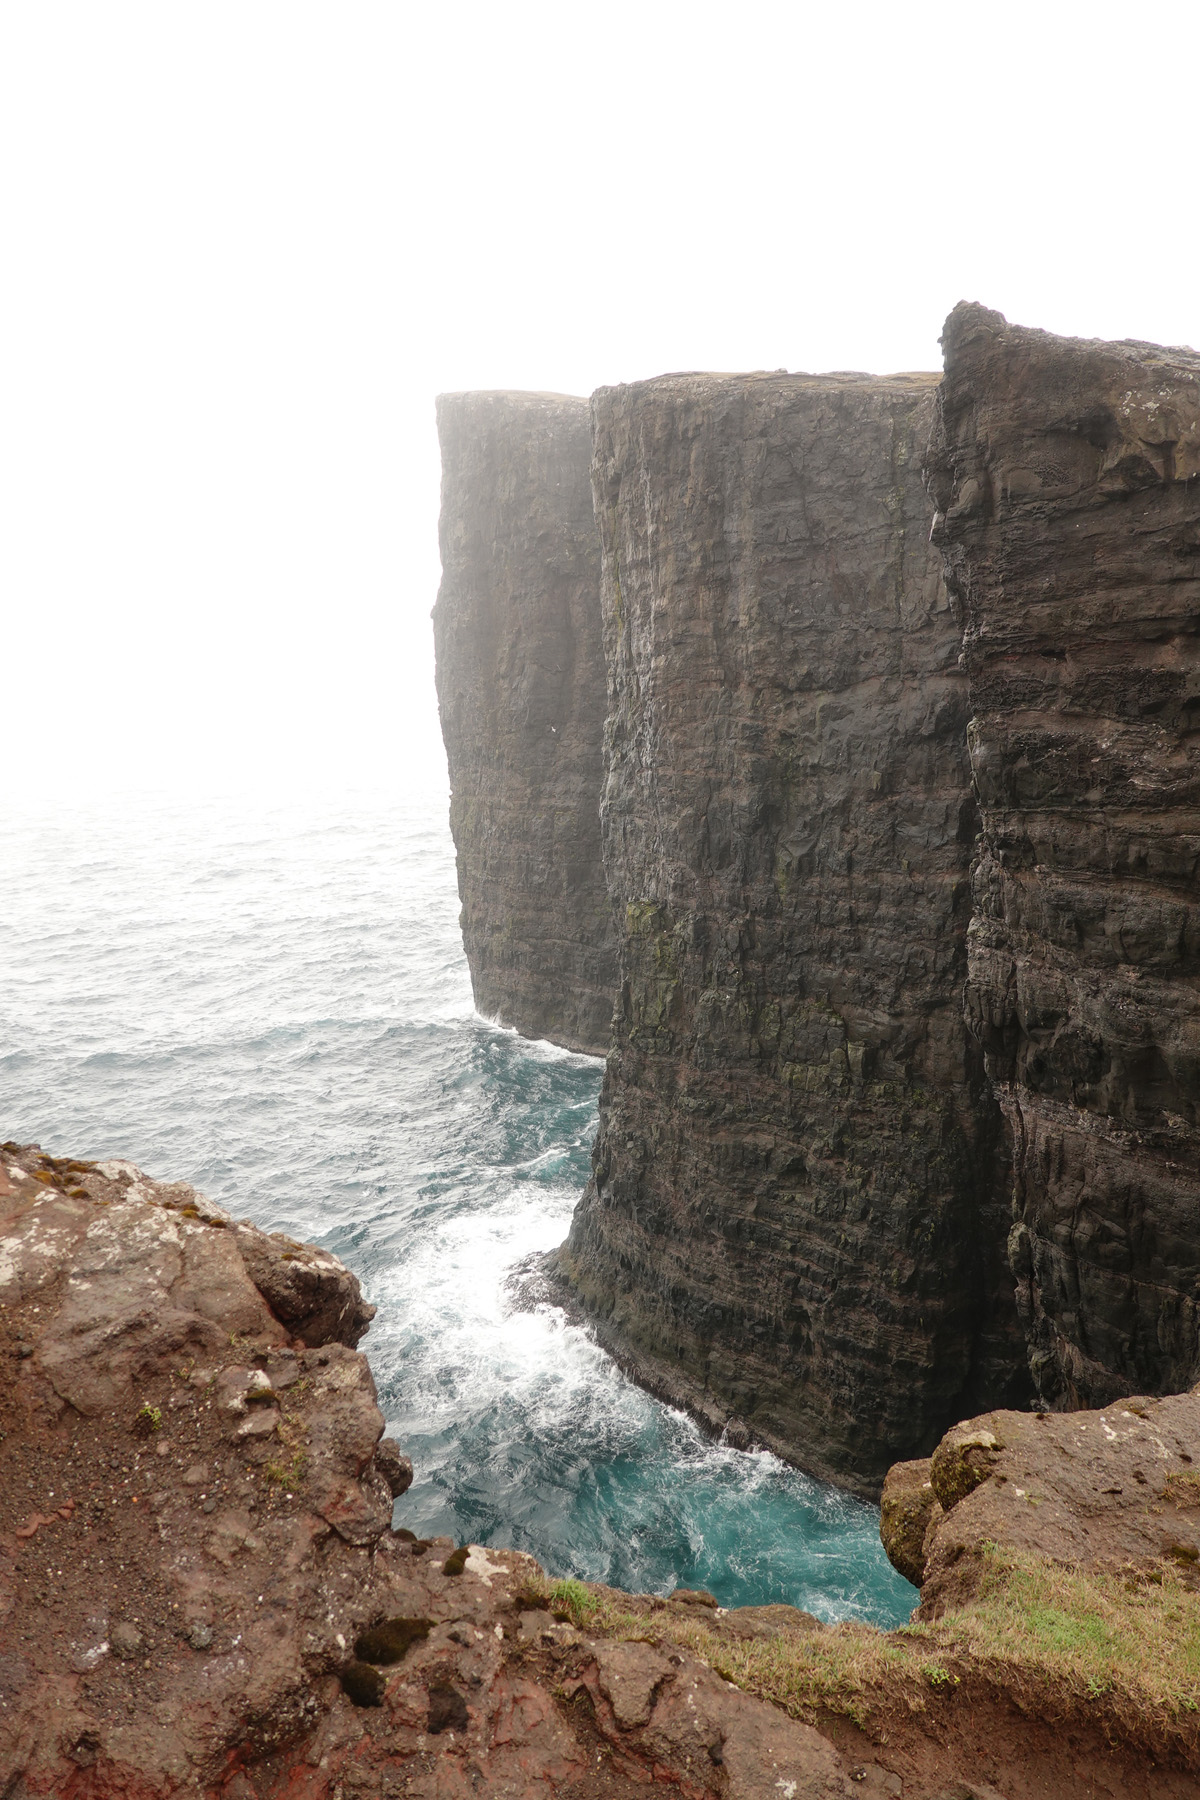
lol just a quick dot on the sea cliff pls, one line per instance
(900, 822)
(522, 697)
(1066, 476)
(796, 1219)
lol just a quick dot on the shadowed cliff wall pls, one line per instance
(797, 1214)
(521, 693)
(1067, 480)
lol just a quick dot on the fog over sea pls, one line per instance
(271, 1001)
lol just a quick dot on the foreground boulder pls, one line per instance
(1116, 1490)
(522, 695)
(797, 1221)
(1066, 475)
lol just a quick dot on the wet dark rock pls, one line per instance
(394, 1466)
(391, 1641)
(307, 1289)
(363, 1684)
(522, 693)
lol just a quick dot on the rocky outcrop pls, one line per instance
(193, 1488)
(201, 1594)
(1116, 1491)
(522, 695)
(1066, 475)
(796, 1221)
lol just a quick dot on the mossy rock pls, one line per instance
(363, 1684)
(391, 1641)
(419, 1545)
(963, 1461)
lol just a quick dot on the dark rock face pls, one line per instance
(522, 695)
(1067, 480)
(797, 1209)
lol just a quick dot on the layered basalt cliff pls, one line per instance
(797, 1214)
(521, 690)
(1066, 476)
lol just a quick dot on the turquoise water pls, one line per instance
(272, 1002)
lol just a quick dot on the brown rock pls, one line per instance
(1065, 477)
(1112, 1489)
(676, 1713)
(138, 1303)
(522, 694)
(769, 1621)
(629, 1676)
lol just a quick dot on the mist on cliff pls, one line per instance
(245, 246)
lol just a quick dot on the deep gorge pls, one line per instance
(897, 822)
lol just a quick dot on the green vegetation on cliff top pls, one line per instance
(1125, 1649)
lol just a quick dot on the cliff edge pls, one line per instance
(522, 696)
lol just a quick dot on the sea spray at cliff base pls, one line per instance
(271, 1001)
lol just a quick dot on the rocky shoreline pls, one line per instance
(202, 1595)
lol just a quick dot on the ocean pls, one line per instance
(270, 1000)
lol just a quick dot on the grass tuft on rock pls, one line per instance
(1123, 1648)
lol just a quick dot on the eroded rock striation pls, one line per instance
(522, 696)
(797, 1214)
(1066, 475)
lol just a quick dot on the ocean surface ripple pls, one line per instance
(271, 1001)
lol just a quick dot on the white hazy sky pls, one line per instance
(245, 243)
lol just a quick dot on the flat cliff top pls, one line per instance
(464, 400)
(971, 326)
(703, 382)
